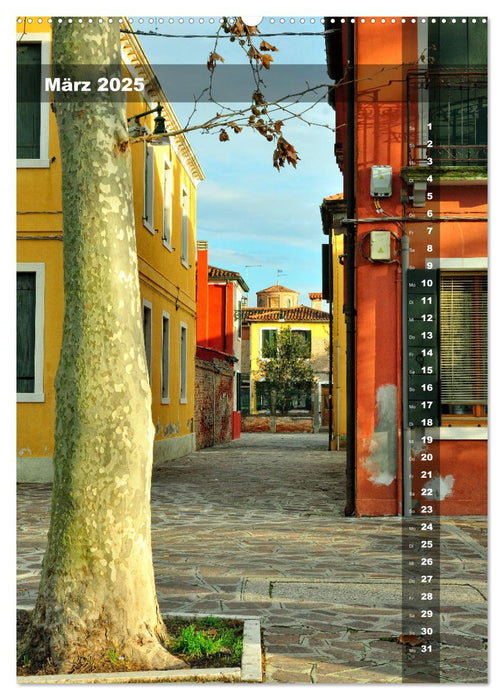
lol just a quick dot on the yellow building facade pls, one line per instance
(165, 180)
(313, 325)
(332, 210)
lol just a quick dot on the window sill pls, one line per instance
(183, 401)
(32, 163)
(30, 398)
(185, 263)
(149, 227)
(467, 432)
(165, 401)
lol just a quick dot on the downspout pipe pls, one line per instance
(331, 343)
(350, 312)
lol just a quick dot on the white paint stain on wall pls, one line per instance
(381, 463)
(441, 487)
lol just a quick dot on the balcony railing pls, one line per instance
(447, 117)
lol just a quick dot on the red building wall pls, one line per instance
(383, 53)
(214, 376)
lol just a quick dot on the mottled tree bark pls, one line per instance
(97, 590)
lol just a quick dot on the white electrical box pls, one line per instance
(380, 245)
(381, 180)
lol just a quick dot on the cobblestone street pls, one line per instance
(256, 528)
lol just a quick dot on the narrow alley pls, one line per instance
(255, 528)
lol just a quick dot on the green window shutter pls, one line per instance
(263, 396)
(268, 341)
(464, 341)
(28, 100)
(25, 332)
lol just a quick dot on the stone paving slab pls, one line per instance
(257, 528)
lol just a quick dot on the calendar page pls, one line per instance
(252, 341)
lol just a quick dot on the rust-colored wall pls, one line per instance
(381, 138)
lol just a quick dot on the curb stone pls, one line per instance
(250, 670)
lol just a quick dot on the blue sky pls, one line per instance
(257, 220)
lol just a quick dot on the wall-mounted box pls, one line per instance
(381, 180)
(380, 245)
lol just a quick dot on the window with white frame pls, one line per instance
(165, 358)
(463, 348)
(147, 330)
(183, 363)
(32, 133)
(167, 203)
(30, 332)
(148, 212)
(184, 254)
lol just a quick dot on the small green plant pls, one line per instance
(114, 657)
(25, 660)
(207, 638)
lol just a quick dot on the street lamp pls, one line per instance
(136, 129)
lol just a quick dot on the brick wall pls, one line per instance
(283, 424)
(213, 403)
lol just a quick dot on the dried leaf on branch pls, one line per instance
(284, 151)
(239, 28)
(212, 60)
(267, 47)
(254, 54)
(266, 59)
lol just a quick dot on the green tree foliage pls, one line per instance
(286, 367)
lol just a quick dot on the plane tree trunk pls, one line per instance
(97, 592)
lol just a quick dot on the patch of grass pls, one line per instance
(206, 642)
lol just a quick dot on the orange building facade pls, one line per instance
(411, 133)
(219, 295)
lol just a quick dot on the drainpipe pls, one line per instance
(331, 330)
(350, 276)
(406, 432)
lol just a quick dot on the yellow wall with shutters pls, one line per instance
(166, 283)
(319, 345)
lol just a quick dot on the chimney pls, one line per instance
(316, 300)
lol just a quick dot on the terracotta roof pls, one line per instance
(218, 273)
(315, 295)
(294, 313)
(333, 197)
(277, 288)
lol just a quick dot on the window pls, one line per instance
(32, 119)
(268, 341)
(167, 204)
(263, 396)
(463, 348)
(147, 329)
(30, 332)
(183, 363)
(184, 254)
(457, 88)
(148, 213)
(240, 304)
(306, 337)
(28, 100)
(165, 359)
(243, 393)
